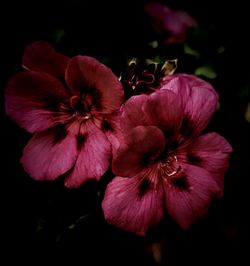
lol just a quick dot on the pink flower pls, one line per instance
(175, 23)
(69, 105)
(163, 161)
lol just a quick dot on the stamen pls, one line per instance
(170, 166)
(81, 106)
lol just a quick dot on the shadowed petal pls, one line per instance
(199, 101)
(41, 56)
(50, 154)
(165, 111)
(111, 126)
(175, 22)
(138, 151)
(132, 114)
(93, 159)
(88, 76)
(188, 196)
(125, 205)
(35, 100)
(211, 152)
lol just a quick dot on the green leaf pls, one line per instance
(206, 71)
(72, 226)
(191, 51)
(58, 35)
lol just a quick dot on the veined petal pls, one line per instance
(50, 153)
(111, 126)
(36, 101)
(138, 151)
(133, 204)
(189, 195)
(93, 159)
(211, 152)
(164, 108)
(199, 100)
(88, 76)
(132, 114)
(41, 56)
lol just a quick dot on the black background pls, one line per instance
(37, 216)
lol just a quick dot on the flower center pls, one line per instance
(169, 166)
(82, 106)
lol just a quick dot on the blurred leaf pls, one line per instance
(58, 35)
(72, 226)
(40, 224)
(247, 113)
(153, 44)
(155, 60)
(221, 49)
(105, 60)
(206, 71)
(189, 50)
(218, 106)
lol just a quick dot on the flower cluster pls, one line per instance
(153, 141)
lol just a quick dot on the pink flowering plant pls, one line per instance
(152, 140)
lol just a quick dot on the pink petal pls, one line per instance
(41, 56)
(165, 111)
(211, 152)
(199, 100)
(127, 205)
(168, 20)
(88, 76)
(35, 100)
(111, 126)
(50, 154)
(189, 195)
(158, 13)
(93, 159)
(177, 22)
(132, 114)
(185, 18)
(141, 147)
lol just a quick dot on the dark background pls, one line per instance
(44, 222)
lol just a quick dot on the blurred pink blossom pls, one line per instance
(172, 23)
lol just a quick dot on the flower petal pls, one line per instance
(175, 22)
(132, 114)
(40, 56)
(35, 100)
(199, 101)
(129, 207)
(165, 111)
(110, 125)
(188, 195)
(93, 159)
(138, 151)
(211, 152)
(50, 153)
(86, 75)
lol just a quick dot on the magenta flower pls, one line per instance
(69, 105)
(163, 162)
(171, 23)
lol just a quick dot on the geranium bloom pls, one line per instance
(171, 23)
(163, 161)
(68, 104)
